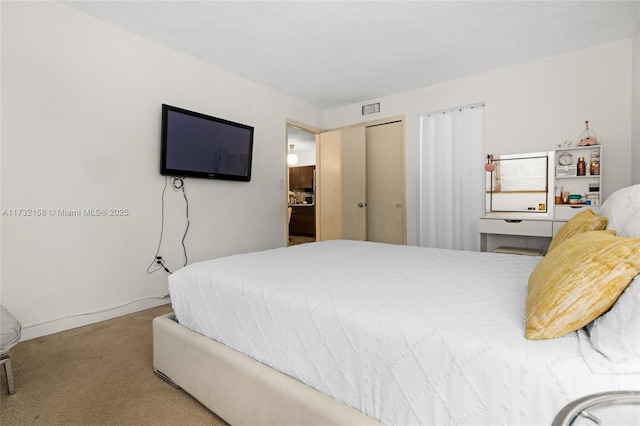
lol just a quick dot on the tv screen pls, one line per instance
(198, 145)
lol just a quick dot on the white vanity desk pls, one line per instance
(511, 232)
(526, 232)
(536, 218)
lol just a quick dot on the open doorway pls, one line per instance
(301, 183)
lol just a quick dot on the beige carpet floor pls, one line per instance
(100, 374)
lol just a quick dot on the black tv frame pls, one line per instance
(165, 171)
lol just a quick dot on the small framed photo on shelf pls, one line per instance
(566, 171)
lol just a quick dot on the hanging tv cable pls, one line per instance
(158, 262)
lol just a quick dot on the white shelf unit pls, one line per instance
(578, 184)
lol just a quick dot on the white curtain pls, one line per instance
(452, 180)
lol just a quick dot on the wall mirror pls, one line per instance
(519, 183)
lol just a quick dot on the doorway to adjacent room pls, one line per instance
(301, 184)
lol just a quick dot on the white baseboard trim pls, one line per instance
(73, 321)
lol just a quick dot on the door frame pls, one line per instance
(305, 128)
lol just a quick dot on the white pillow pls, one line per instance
(622, 210)
(616, 334)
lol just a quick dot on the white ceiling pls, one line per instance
(335, 53)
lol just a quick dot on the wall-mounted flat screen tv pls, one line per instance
(202, 146)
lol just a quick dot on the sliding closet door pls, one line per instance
(386, 221)
(341, 185)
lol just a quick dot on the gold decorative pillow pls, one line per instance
(578, 281)
(582, 222)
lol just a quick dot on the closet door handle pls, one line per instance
(513, 220)
(361, 205)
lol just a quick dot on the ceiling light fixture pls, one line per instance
(291, 158)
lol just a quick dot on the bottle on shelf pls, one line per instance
(594, 167)
(582, 167)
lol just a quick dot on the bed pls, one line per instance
(352, 332)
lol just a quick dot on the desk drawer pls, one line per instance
(566, 212)
(535, 228)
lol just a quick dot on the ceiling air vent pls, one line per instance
(371, 108)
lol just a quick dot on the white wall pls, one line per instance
(306, 158)
(635, 109)
(81, 103)
(530, 107)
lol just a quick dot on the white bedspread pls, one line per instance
(407, 335)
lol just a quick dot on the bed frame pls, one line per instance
(239, 389)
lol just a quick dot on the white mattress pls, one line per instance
(407, 335)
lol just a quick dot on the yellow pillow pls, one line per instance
(578, 281)
(582, 222)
